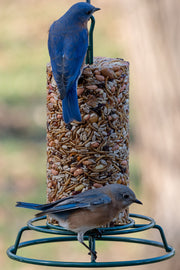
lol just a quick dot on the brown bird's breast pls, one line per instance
(92, 218)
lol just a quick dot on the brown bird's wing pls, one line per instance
(86, 200)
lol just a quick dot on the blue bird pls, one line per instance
(88, 210)
(67, 44)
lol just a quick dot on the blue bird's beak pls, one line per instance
(96, 9)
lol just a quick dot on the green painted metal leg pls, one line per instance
(92, 247)
(167, 248)
(18, 238)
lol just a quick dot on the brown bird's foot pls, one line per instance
(97, 233)
(94, 253)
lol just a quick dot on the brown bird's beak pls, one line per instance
(137, 201)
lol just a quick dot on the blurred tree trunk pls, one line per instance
(152, 30)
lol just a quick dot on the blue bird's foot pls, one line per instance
(84, 67)
(69, 126)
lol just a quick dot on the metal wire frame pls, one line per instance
(89, 55)
(108, 234)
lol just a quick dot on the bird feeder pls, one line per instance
(95, 151)
(89, 154)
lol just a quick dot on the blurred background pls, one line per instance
(141, 31)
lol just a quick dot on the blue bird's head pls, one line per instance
(82, 11)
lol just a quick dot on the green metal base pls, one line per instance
(108, 234)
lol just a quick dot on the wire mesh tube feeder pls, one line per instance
(90, 154)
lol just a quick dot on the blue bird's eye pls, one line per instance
(89, 12)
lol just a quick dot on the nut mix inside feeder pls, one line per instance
(95, 151)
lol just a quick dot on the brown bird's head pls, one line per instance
(124, 195)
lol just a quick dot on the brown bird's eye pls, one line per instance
(126, 196)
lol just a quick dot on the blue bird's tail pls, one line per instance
(71, 107)
(29, 205)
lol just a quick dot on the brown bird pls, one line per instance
(88, 210)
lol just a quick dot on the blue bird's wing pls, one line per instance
(78, 202)
(67, 50)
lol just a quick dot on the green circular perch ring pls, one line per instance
(108, 234)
